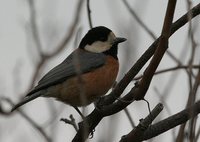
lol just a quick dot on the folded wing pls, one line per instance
(86, 61)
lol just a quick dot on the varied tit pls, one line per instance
(85, 75)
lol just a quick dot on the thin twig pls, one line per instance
(190, 73)
(62, 44)
(170, 69)
(71, 121)
(129, 117)
(89, 14)
(137, 18)
(34, 27)
(31, 122)
(191, 98)
(167, 108)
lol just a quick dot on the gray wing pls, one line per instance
(88, 61)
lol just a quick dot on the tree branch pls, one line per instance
(31, 122)
(97, 115)
(170, 69)
(136, 135)
(143, 84)
(172, 121)
(120, 87)
(89, 14)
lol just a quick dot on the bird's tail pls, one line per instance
(26, 100)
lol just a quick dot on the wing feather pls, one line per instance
(88, 61)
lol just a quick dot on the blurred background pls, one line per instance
(33, 28)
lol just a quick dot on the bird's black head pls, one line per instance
(101, 40)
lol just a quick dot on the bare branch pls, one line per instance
(71, 121)
(129, 117)
(192, 96)
(172, 121)
(145, 27)
(89, 13)
(136, 135)
(31, 122)
(34, 27)
(143, 85)
(141, 23)
(145, 57)
(109, 107)
(171, 69)
(71, 31)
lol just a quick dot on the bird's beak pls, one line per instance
(119, 40)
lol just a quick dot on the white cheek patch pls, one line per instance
(101, 46)
(98, 47)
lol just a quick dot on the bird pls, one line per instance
(85, 75)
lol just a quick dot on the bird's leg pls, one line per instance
(84, 120)
(79, 112)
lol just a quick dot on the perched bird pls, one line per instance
(85, 75)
